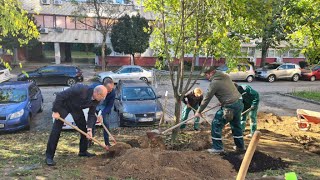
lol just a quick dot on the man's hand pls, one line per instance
(188, 105)
(89, 133)
(100, 119)
(107, 147)
(198, 114)
(55, 115)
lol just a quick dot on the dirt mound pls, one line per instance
(157, 164)
(268, 118)
(260, 161)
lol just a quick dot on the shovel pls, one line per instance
(155, 133)
(82, 132)
(202, 116)
(106, 129)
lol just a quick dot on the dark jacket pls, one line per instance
(250, 96)
(191, 99)
(108, 101)
(76, 98)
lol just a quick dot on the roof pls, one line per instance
(134, 83)
(68, 9)
(15, 84)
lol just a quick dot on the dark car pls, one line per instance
(19, 102)
(311, 74)
(55, 74)
(137, 104)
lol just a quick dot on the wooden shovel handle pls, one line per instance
(202, 116)
(248, 156)
(183, 122)
(106, 129)
(80, 131)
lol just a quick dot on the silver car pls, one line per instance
(274, 71)
(4, 74)
(127, 73)
(243, 72)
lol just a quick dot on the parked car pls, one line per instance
(274, 71)
(19, 103)
(312, 73)
(55, 74)
(243, 72)
(69, 117)
(137, 104)
(127, 73)
(4, 74)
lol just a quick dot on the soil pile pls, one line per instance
(260, 161)
(157, 164)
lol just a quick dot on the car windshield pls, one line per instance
(315, 68)
(12, 95)
(222, 68)
(138, 93)
(271, 66)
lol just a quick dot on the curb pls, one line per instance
(299, 98)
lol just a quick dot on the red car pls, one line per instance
(311, 74)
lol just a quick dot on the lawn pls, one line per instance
(312, 95)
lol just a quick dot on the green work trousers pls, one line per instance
(184, 116)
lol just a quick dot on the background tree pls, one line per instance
(130, 35)
(305, 15)
(105, 13)
(267, 25)
(14, 23)
(192, 27)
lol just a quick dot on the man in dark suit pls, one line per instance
(72, 101)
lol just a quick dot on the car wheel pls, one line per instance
(144, 79)
(271, 78)
(295, 77)
(105, 79)
(313, 78)
(71, 81)
(249, 78)
(41, 107)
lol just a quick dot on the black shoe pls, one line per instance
(86, 154)
(50, 162)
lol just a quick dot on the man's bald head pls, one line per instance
(100, 92)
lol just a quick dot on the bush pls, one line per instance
(303, 64)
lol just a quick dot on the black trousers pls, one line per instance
(80, 121)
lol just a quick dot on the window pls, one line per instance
(79, 24)
(48, 69)
(33, 90)
(90, 23)
(70, 22)
(290, 66)
(39, 20)
(282, 67)
(48, 21)
(125, 70)
(136, 70)
(61, 21)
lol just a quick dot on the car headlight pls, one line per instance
(159, 114)
(128, 115)
(16, 114)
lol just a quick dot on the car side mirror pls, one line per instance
(159, 96)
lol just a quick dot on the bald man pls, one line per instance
(73, 100)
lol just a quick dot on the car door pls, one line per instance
(234, 73)
(243, 72)
(281, 71)
(47, 75)
(136, 73)
(290, 70)
(316, 71)
(124, 74)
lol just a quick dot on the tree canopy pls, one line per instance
(130, 35)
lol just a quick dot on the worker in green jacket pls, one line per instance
(250, 100)
(223, 88)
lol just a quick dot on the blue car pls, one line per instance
(19, 102)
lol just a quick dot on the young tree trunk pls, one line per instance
(264, 51)
(177, 117)
(132, 62)
(103, 56)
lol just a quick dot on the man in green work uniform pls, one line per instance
(223, 88)
(250, 100)
(192, 100)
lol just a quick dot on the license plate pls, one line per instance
(146, 119)
(1, 125)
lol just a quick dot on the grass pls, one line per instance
(312, 95)
(74, 54)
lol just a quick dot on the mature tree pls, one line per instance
(14, 22)
(305, 15)
(192, 27)
(267, 25)
(130, 35)
(105, 13)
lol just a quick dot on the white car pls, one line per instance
(4, 74)
(243, 72)
(70, 119)
(127, 73)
